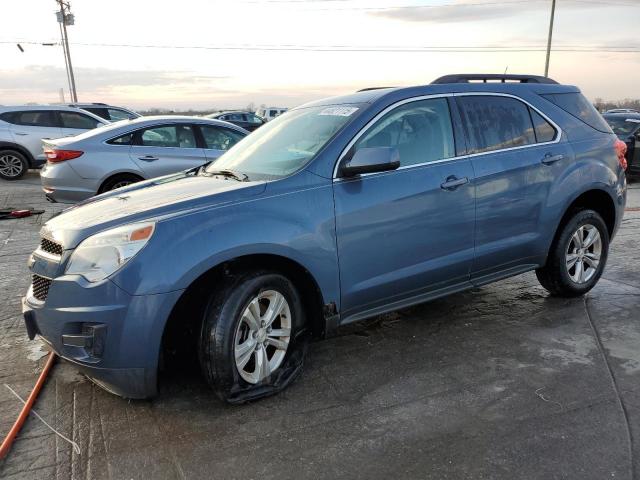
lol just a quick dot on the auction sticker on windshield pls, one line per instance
(338, 111)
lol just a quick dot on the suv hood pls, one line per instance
(152, 199)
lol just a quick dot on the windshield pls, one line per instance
(623, 127)
(285, 144)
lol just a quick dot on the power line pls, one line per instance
(421, 7)
(357, 48)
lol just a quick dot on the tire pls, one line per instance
(233, 347)
(13, 165)
(118, 181)
(571, 268)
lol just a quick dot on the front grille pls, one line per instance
(49, 246)
(41, 287)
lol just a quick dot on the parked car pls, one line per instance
(127, 152)
(23, 127)
(247, 120)
(622, 110)
(627, 127)
(340, 210)
(108, 112)
(269, 113)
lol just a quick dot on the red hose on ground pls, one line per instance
(8, 441)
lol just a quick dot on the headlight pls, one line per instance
(100, 255)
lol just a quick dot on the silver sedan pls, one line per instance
(129, 151)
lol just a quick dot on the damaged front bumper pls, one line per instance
(112, 337)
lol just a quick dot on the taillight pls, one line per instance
(621, 151)
(55, 156)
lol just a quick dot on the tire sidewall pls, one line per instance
(109, 184)
(217, 356)
(581, 218)
(23, 161)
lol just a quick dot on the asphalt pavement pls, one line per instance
(499, 382)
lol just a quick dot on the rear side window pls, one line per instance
(115, 114)
(177, 136)
(77, 120)
(421, 131)
(101, 112)
(545, 132)
(31, 118)
(496, 123)
(578, 106)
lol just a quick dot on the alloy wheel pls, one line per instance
(262, 336)
(120, 184)
(10, 165)
(583, 253)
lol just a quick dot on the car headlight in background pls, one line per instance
(101, 254)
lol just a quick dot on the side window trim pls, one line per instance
(558, 130)
(356, 137)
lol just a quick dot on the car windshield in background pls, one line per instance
(623, 127)
(286, 144)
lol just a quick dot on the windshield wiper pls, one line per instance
(241, 177)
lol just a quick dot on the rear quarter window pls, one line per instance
(577, 105)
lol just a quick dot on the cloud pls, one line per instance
(461, 11)
(42, 78)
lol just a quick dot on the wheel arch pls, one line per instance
(595, 198)
(14, 146)
(119, 173)
(183, 324)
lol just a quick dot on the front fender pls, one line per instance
(298, 225)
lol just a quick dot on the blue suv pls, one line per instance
(336, 211)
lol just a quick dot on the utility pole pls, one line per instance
(65, 17)
(553, 12)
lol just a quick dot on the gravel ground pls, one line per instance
(498, 382)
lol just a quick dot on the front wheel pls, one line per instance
(577, 257)
(252, 342)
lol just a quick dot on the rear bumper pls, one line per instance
(112, 337)
(61, 183)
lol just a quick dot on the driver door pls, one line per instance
(407, 234)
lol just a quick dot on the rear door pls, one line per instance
(516, 154)
(218, 140)
(30, 127)
(73, 123)
(164, 149)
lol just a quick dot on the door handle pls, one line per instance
(549, 158)
(148, 158)
(453, 182)
(22, 134)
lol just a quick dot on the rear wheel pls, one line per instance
(119, 181)
(252, 343)
(577, 257)
(13, 165)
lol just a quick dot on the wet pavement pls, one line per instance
(498, 382)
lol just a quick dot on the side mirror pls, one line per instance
(370, 160)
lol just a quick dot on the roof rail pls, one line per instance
(493, 77)
(371, 88)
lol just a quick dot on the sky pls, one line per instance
(232, 53)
